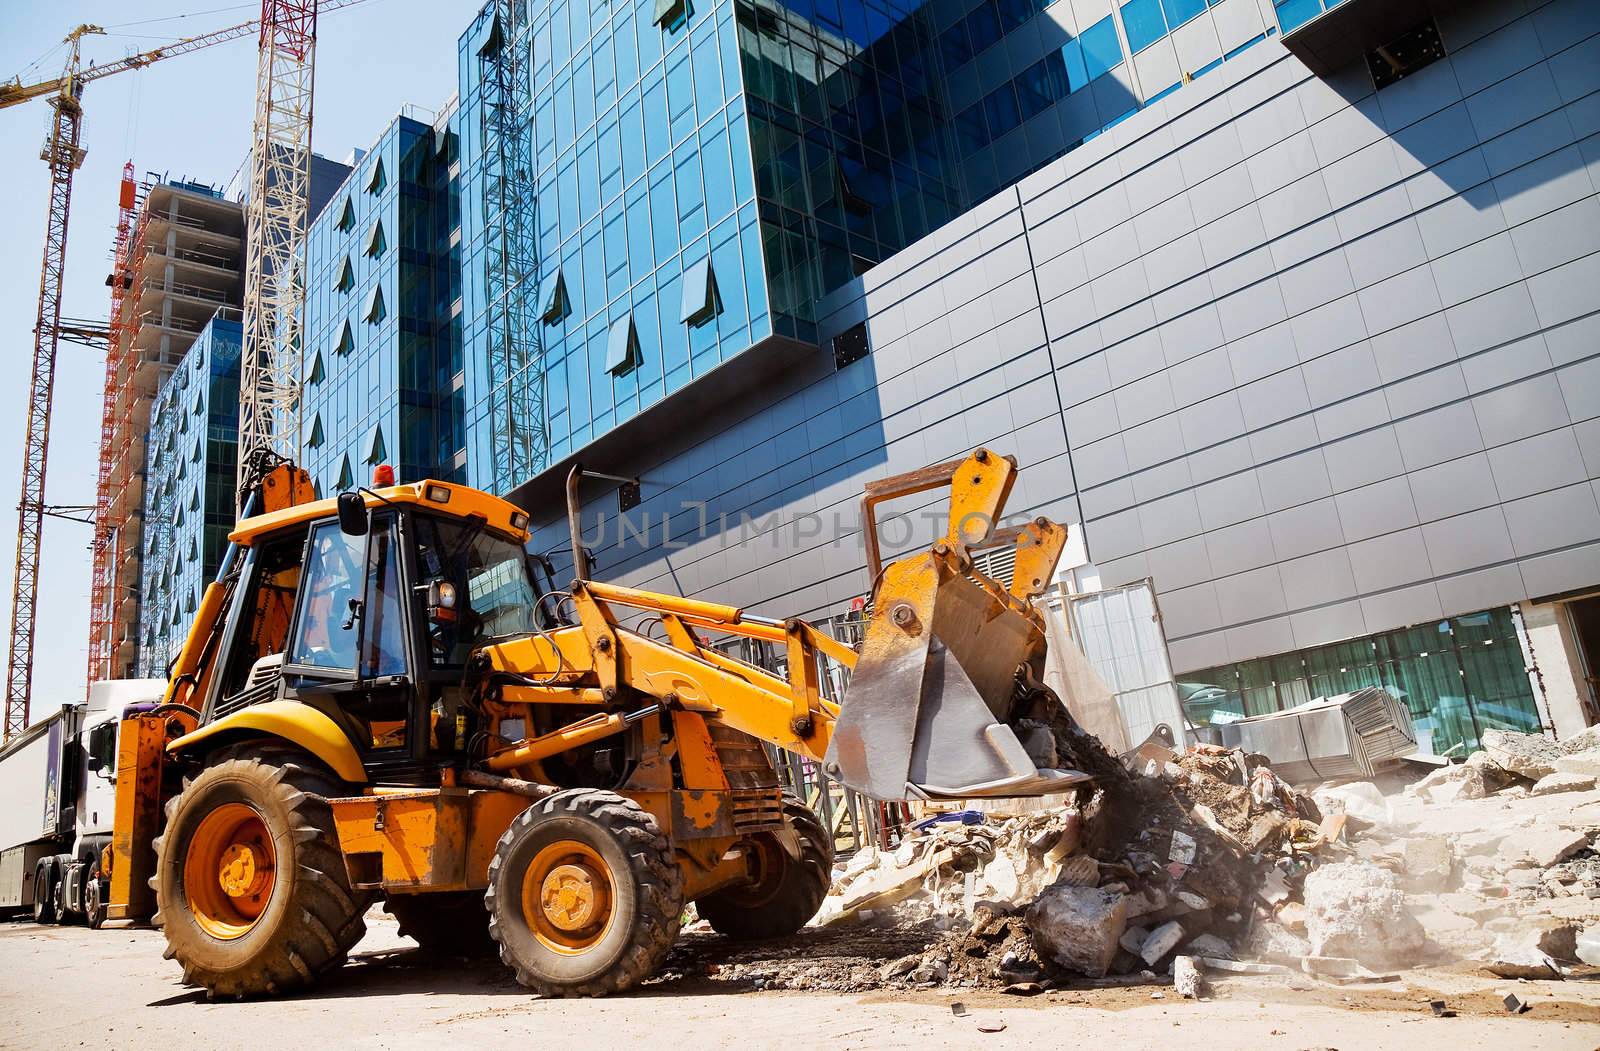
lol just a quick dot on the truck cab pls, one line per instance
(72, 883)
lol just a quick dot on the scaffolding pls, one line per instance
(101, 547)
(510, 206)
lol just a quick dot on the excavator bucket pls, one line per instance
(950, 656)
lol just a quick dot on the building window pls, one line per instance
(670, 14)
(700, 303)
(346, 478)
(376, 182)
(374, 445)
(1102, 51)
(347, 340)
(347, 276)
(851, 345)
(347, 217)
(317, 372)
(553, 304)
(622, 346)
(1143, 22)
(375, 239)
(315, 439)
(374, 311)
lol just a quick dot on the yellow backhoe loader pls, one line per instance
(385, 694)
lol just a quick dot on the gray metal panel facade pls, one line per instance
(1323, 361)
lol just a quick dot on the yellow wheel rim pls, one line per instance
(229, 871)
(568, 897)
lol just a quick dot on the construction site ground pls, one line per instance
(70, 986)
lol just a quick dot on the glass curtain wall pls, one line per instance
(382, 356)
(189, 488)
(1459, 677)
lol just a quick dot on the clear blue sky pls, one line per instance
(190, 117)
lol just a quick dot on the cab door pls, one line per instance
(349, 647)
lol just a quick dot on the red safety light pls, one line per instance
(382, 475)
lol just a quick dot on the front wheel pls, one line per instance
(785, 891)
(584, 896)
(94, 900)
(250, 883)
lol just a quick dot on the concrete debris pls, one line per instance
(1586, 947)
(1518, 956)
(1515, 1005)
(1550, 784)
(1186, 978)
(1527, 755)
(1160, 942)
(1078, 928)
(1358, 910)
(1542, 847)
(1429, 863)
(1360, 800)
(1210, 946)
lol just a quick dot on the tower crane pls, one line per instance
(64, 153)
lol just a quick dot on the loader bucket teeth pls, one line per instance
(924, 716)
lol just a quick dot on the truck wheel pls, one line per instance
(62, 906)
(584, 896)
(447, 924)
(250, 884)
(94, 900)
(44, 893)
(786, 892)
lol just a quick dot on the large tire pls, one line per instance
(94, 900)
(584, 898)
(45, 879)
(787, 891)
(446, 924)
(250, 884)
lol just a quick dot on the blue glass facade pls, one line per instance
(382, 379)
(189, 487)
(703, 174)
(642, 173)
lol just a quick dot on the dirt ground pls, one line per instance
(69, 987)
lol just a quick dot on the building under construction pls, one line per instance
(183, 263)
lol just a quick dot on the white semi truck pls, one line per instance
(57, 798)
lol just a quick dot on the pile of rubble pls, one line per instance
(1206, 847)
(1214, 863)
(1518, 764)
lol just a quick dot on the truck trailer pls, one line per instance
(58, 780)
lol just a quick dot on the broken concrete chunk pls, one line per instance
(1133, 939)
(1161, 941)
(1586, 764)
(1151, 899)
(1583, 741)
(1519, 956)
(1185, 978)
(1182, 849)
(1542, 847)
(1550, 784)
(1429, 863)
(1359, 799)
(1078, 927)
(1526, 755)
(1358, 910)
(1209, 945)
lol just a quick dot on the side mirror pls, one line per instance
(352, 514)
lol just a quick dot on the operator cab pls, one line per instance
(369, 607)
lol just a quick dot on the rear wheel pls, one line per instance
(45, 880)
(250, 883)
(584, 896)
(449, 924)
(786, 892)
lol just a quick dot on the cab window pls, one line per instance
(491, 594)
(346, 607)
